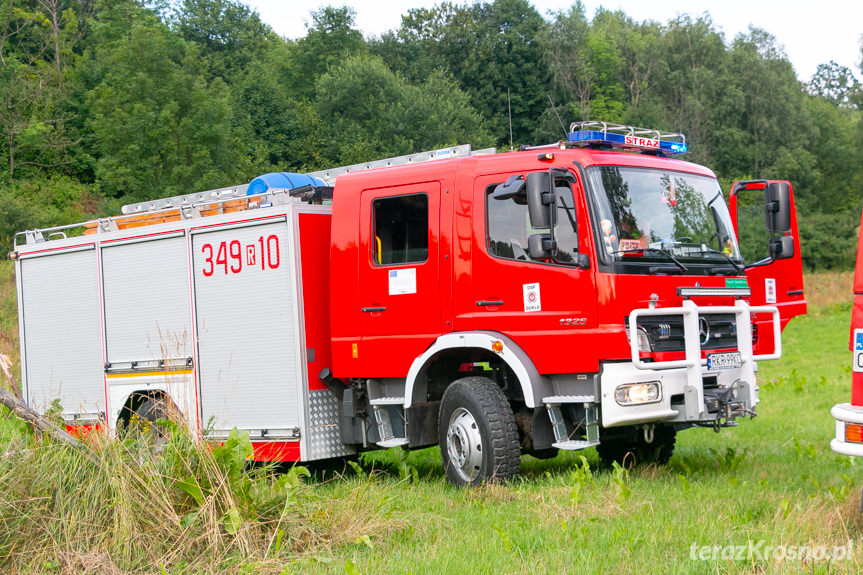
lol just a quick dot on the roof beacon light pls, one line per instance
(627, 137)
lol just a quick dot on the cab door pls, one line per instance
(774, 266)
(399, 289)
(546, 305)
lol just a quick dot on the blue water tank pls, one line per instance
(282, 180)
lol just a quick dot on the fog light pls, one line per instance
(853, 433)
(638, 393)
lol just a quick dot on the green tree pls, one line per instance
(231, 35)
(331, 39)
(370, 112)
(159, 128)
(836, 84)
(490, 49)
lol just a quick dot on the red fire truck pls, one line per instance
(588, 293)
(849, 416)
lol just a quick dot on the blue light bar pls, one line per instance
(627, 137)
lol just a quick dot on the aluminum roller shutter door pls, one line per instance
(62, 331)
(246, 326)
(147, 308)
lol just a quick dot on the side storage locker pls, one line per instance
(61, 332)
(247, 329)
(148, 335)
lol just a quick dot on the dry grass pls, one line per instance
(8, 313)
(825, 289)
(126, 508)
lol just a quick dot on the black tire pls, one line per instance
(142, 421)
(477, 433)
(630, 451)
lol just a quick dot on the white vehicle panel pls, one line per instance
(247, 327)
(147, 307)
(61, 335)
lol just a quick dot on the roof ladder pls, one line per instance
(328, 176)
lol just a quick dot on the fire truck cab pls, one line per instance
(594, 292)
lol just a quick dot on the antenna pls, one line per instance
(562, 127)
(509, 109)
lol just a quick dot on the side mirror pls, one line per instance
(783, 248)
(777, 204)
(508, 189)
(541, 201)
(541, 246)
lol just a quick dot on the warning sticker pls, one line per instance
(403, 281)
(858, 351)
(770, 290)
(531, 297)
(629, 245)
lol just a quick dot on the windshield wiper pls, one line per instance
(670, 257)
(739, 268)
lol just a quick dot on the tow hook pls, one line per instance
(648, 428)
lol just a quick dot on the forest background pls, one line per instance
(105, 102)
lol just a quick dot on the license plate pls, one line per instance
(717, 361)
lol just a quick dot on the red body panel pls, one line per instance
(858, 275)
(314, 255)
(857, 321)
(276, 451)
(83, 431)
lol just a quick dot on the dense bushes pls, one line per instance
(828, 241)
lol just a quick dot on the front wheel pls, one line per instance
(477, 433)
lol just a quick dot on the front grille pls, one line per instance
(716, 331)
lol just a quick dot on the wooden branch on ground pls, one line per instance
(22, 410)
(6, 368)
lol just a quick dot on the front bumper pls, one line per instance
(684, 399)
(678, 402)
(845, 413)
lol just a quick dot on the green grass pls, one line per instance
(773, 479)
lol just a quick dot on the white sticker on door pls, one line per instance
(770, 290)
(403, 281)
(531, 297)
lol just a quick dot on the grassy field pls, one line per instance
(772, 481)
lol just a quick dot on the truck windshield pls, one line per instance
(659, 215)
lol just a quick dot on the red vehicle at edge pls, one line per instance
(849, 416)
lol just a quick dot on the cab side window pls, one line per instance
(401, 230)
(508, 226)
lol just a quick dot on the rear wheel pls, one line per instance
(477, 433)
(142, 421)
(632, 449)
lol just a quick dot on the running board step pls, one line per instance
(388, 401)
(393, 442)
(569, 399)
(574, 444)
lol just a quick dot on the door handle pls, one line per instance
(490, 302)
(795, 292)
(373, 309)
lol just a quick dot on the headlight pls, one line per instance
(638, 393)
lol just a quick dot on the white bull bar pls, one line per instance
(693, 364)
